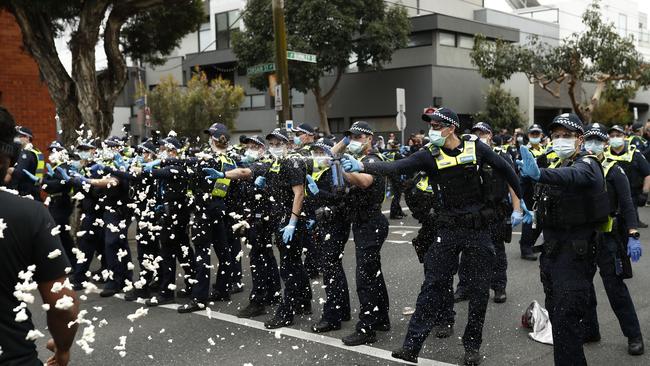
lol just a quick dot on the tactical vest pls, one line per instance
(40, 164)
(458, 180)
(625, 161)
(559, 209)
(494, 187)
(221, 185)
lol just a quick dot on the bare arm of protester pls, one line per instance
(239, 174)
(361, 180)
(298, 197)
(57, 321)
(104, 182)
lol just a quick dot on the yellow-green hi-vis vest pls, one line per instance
(222, 184)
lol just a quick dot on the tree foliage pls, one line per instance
(599, 55)
(139, 29)
(188, 111)
(501, 109)
(334, 30)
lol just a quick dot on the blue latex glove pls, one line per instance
(528, 165)
(346, 140)
(350, 164)
(212, 173)
(30, 175)
(119, 161)
(516, 218)
(634, 249)
(310, 223)
(287, 231)
(63, 173)
(528, 216)
(260, 182)
(50, 171)
(404, 150)
(312, 186)
(148, 167)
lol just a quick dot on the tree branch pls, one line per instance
(330, 93)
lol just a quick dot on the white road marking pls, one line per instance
(312, 337)
(388, 211)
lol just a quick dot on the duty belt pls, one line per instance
(474, 220)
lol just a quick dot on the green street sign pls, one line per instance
(260, 69)
(302, 57)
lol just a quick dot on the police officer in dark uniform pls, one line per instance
(58, 191)
(393, 154)
(637, 138)
(326, 201)
(502, 231)
(144, 195)
(266, 287)
(619, 242)
(634, 164)
(174, 214)
(370, 229)
(529, 234)
(462, 218)
(30, 168)
(570, 206)
(209, 225)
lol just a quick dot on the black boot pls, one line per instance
(277, 322)
(472, 358)
(358, 338)
(191, 307)
(406, 355)
(252, 310)
(500, 296)
(136, 293)
(324, 326)
(635, 346)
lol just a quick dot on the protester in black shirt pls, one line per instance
(27, 245)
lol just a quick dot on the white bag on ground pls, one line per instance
(536, 318)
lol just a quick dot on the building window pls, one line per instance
(447, 39)
(205, 35)
(622, 25)
(465, 41)
(226, 23)
(420, 39)
(297, 98)
(255, 101)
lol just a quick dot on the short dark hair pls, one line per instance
(8, 150)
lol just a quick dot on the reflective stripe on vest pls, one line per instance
(609, 225)
(468, 156)
(536, 152)
(627, 157)
(40, 165)
(423, 185)
(275, 167)
(317, 174)
(222, 184)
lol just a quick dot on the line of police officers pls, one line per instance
(465, 192)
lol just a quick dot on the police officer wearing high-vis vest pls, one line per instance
(462, 219)
(58, 192)
(570, 205)
(370, 229)
(326, 202)
(283, 181)
(502, 231)
(636, 167)
(303, 139)
(29, 170)
(529, 234)
(396, 188)
(208, 228)
(618, 244)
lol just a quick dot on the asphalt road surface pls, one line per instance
(218, 337)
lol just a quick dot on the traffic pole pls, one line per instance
(282, 68)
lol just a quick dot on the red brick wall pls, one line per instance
(21, 90)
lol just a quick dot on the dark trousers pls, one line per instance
(148, 247)
(499, 269)
(90, 242)
(337, 305)
(117, 251)
(62, 219)
(234, 244)
(174, 245)
(528, 238)
(435, 303)
(617, 293)
(209, 231)
(396, 189)
(297, 291)
(566, 279)
(312, 243)
(265, 275)
(369, 237)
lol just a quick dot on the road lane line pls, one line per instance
(308, 336)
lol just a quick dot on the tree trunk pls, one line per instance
(583, 113)
(321, 103)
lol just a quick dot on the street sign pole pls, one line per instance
(281, 60)
(400, 120)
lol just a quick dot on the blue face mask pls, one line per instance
(355, 147)
(75, 165)
(296, 141)
(436, 138)
(535, 140)
(595, 146)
